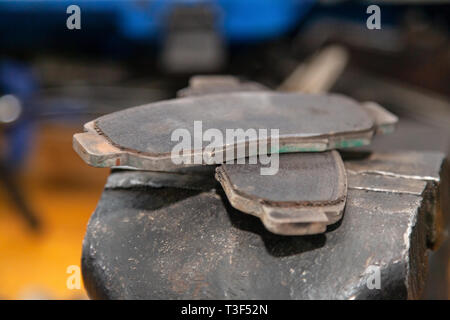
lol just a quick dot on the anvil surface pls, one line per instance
(148, 241)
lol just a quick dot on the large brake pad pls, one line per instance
(140, 137)
(307, 193)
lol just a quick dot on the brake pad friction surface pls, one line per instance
(147, 129)
(301, 178)
(306, 194)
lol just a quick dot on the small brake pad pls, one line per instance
(307, 194)
(140, 137)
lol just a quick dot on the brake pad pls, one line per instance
(140, 137)
(307, 194)
(201, 85)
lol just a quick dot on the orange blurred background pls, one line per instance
(63, 192)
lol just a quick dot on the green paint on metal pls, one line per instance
(285, 149)
(350, 143)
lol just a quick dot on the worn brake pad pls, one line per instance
(201, 85)
(140, 137)
(307, 194)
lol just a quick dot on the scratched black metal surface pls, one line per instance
(148, 128)
(174, 244)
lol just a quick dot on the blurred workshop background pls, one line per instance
(53, 79)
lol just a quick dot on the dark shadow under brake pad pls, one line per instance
(306, 194)
(140, 137)
(192, 178)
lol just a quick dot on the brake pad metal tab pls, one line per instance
(385, 121)
(140, 137)
(307, 194)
